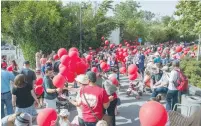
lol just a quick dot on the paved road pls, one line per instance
(129, 108)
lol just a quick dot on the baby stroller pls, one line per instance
(135, 89)
(62, 101)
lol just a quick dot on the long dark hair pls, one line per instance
(13, 61)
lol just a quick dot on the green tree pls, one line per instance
(47, 25)
(189, 13)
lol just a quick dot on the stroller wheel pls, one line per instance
(140, 93)
(128, 93)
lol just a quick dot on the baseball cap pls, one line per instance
(23, 119)
(91, 76)
(26, 62)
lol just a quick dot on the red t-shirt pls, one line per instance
(96, 97)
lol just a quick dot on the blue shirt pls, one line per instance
(6, 77)
(157, 60)
(141, 61)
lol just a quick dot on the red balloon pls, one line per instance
(132, 69)
(147, 118)
(61, 52)
(132, 76)
(55, 57)
(94, 69)
(101, 61)
(125, 49)
(114, 81)
(120, 45)
(88, 57)
(103, 65)
(90, 48)
(70, 77)
(63, 70)
(61, 65)
(134, 51)
(185, 52)
(47, 117)
(122, 70)
(159, 48)
(128, 45)
(106, 42)
(73, 55)
(39, 81)
(39, 90)
(59, 81)
(73, 49)
(125, 54)
(81, 68)
(65, 60)
(10, 68)
(96, 60)
(103, 38)
(178, 49)
(112, 46)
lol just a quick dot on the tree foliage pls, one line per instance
(47, 25)
(189, 13)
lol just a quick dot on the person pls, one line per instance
(15, 67)
(64, 115)
(156, 74)
(6, 97)
(147, 79)
(23, 96)
(141, 58)
(30, 76)
(50, 92)
(157, 58)
(82, 80)
(43, 60)
(172, 94)
(113, 101)
(161, 85)
(17, 119)
(93, 98)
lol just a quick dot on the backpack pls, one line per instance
(182, 81)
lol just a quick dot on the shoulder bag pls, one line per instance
(106, 119)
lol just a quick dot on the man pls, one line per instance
(172, 94)
(161, 85)
(30, 75)
(50, 92)
(96, 97)
(141, 63)
(6, 97)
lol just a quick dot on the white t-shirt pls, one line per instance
(79, 109)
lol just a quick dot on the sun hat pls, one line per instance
(165, 68)
(83, 79)
(24, 119)
(91, 76)
(64, 112)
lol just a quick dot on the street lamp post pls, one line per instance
(81, 27)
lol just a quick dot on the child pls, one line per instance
(134, 88)
(64, 114)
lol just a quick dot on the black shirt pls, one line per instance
(24, 98)
(30, 76)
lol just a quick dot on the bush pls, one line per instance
(192, 69)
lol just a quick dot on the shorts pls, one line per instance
(50, 103)
(30, 110)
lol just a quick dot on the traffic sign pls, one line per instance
(139, 40)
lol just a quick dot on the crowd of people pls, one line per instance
(158, 70)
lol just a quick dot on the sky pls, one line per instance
(159, 7)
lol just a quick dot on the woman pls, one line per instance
(17, 119)
(15, 67)
(81, 80)
(23, 96)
